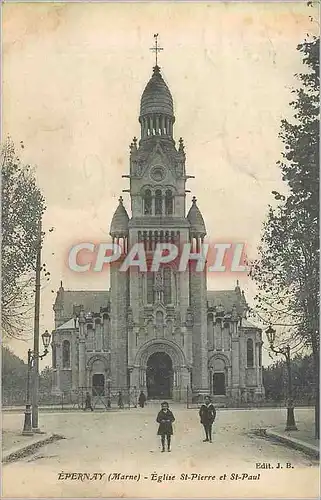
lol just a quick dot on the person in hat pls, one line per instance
(165, 418)
(142, 399)
(207, 415)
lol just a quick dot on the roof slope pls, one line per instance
(92, 300)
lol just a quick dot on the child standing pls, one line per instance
(165, 418)
(207, 414)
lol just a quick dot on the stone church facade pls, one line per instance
(160, 332)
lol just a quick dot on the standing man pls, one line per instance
(88, 405)
(120, 400)
(142, 399)
(207, 415)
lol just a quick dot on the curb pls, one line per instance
(297, 444)
(23, 451)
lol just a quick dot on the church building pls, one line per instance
(161, 332)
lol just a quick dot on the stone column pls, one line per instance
(162, 124)
(142, 379)
(133, 334)
(82, 351)
(198, 303)
(105, 330)
(218, 335)
(235, 362)
(134, 377)
(243, 361)
(73, 364)
(229, 381)
(98, 336)
(57, 388)
(187, 334)
(182, 382)
(258, 368)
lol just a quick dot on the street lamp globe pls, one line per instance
(270, 334)
(46, 339)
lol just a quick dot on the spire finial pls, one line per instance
(120, 199)
(156, 49)
(194, 200)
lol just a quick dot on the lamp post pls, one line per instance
(286, 352)
(35, 364)
(32, 356)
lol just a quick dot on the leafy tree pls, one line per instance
(275, 380)
(14, 376)
(22, 208)
(273, 377)
(45, 380)
(287, 270)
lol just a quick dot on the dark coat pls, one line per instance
(165, 420)
(142, 398)
(207, 414)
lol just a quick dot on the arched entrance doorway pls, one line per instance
(159, 376)
(98, 384)
(219, 367)
(219, 388)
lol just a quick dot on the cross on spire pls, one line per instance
(156, 49)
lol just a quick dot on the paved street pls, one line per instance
(126, 442)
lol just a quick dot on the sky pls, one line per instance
(73, 75)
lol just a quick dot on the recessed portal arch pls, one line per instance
(159, 376)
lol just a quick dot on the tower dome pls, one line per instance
(156, 97)
(156, 108)
(119, 223)
(195, 219)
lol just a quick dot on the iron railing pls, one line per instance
(111, 399)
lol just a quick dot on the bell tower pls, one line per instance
(161, 345)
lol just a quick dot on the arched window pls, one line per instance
(147, 202)
(169, 325)
(249, 353)
(90, 337)
(150, 288)
(160, 323)
(210, 331)
(106, 332)
(150, 328)
(66, 354)
(167, 276)
(54, 356)
(98, 335)
(168, 202)
(158, 202)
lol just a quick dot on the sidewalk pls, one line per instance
(23, 448)
(303, 439)
(13, 439)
